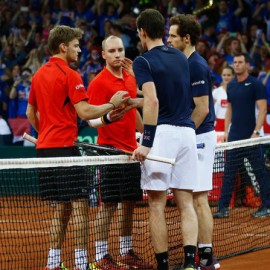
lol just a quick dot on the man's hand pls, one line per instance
(140, 153)
(116, 115)
(119, 98)
(127, 65)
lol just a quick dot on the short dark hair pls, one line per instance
(62, 34)
(244, 55)
(187, 24)
(152, 22)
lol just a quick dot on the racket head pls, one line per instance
(90, 149)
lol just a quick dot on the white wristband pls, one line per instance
(96, 123)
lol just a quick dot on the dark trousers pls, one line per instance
(234, 161)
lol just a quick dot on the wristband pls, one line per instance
(148, 136)
(100, 122)
(96, 123)
(112, 104)
(105, 119)
(257, 132)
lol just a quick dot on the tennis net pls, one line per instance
(25, 215)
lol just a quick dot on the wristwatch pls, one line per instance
(257, 132)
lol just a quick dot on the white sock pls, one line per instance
(81, 258)
(204, 245)
(125, 244)
(54, 258)
(101, 249)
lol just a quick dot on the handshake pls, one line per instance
(121, 101)
(121, 104)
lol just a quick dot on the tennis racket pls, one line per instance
(99, 150)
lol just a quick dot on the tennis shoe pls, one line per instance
(60, 267)
(209, 267)
(107, 263)
(134, 261)
(222, 213)
(214, 262)
(261, 212)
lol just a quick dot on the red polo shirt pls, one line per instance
(120, 134)
(55, 88)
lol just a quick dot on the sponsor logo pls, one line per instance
(198, 82)
(78, 86)
(247, 83)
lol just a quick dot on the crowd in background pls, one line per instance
(227, 28)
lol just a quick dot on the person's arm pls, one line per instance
(262, 110)
(134, 103)
(87, 111)
(253, 49)
(13, 91)
(265, 43)
(201, 110)
(256, 13)
(222, 42)
(228, 119)
(242, 45)
(264, 81)
(106, 119)
(240, 8)
(120, 7)
(150, 116)
(31, 113)
(139, 122)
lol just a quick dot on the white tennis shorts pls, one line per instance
(172, 142)
(206, 158)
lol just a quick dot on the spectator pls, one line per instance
(93, 65)
(262, 11)
(83, 13)
(216, 63)
(34, 61)
(20, 91)
(203, 48)
(9, 57)
(228, 19)
(220, 98)
(5, 130)
(208, 33)
(107, 11)
(117, 30)
(231, 45)
(260, 51)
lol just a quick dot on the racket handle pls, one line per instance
(29, 138)
(161, 159)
